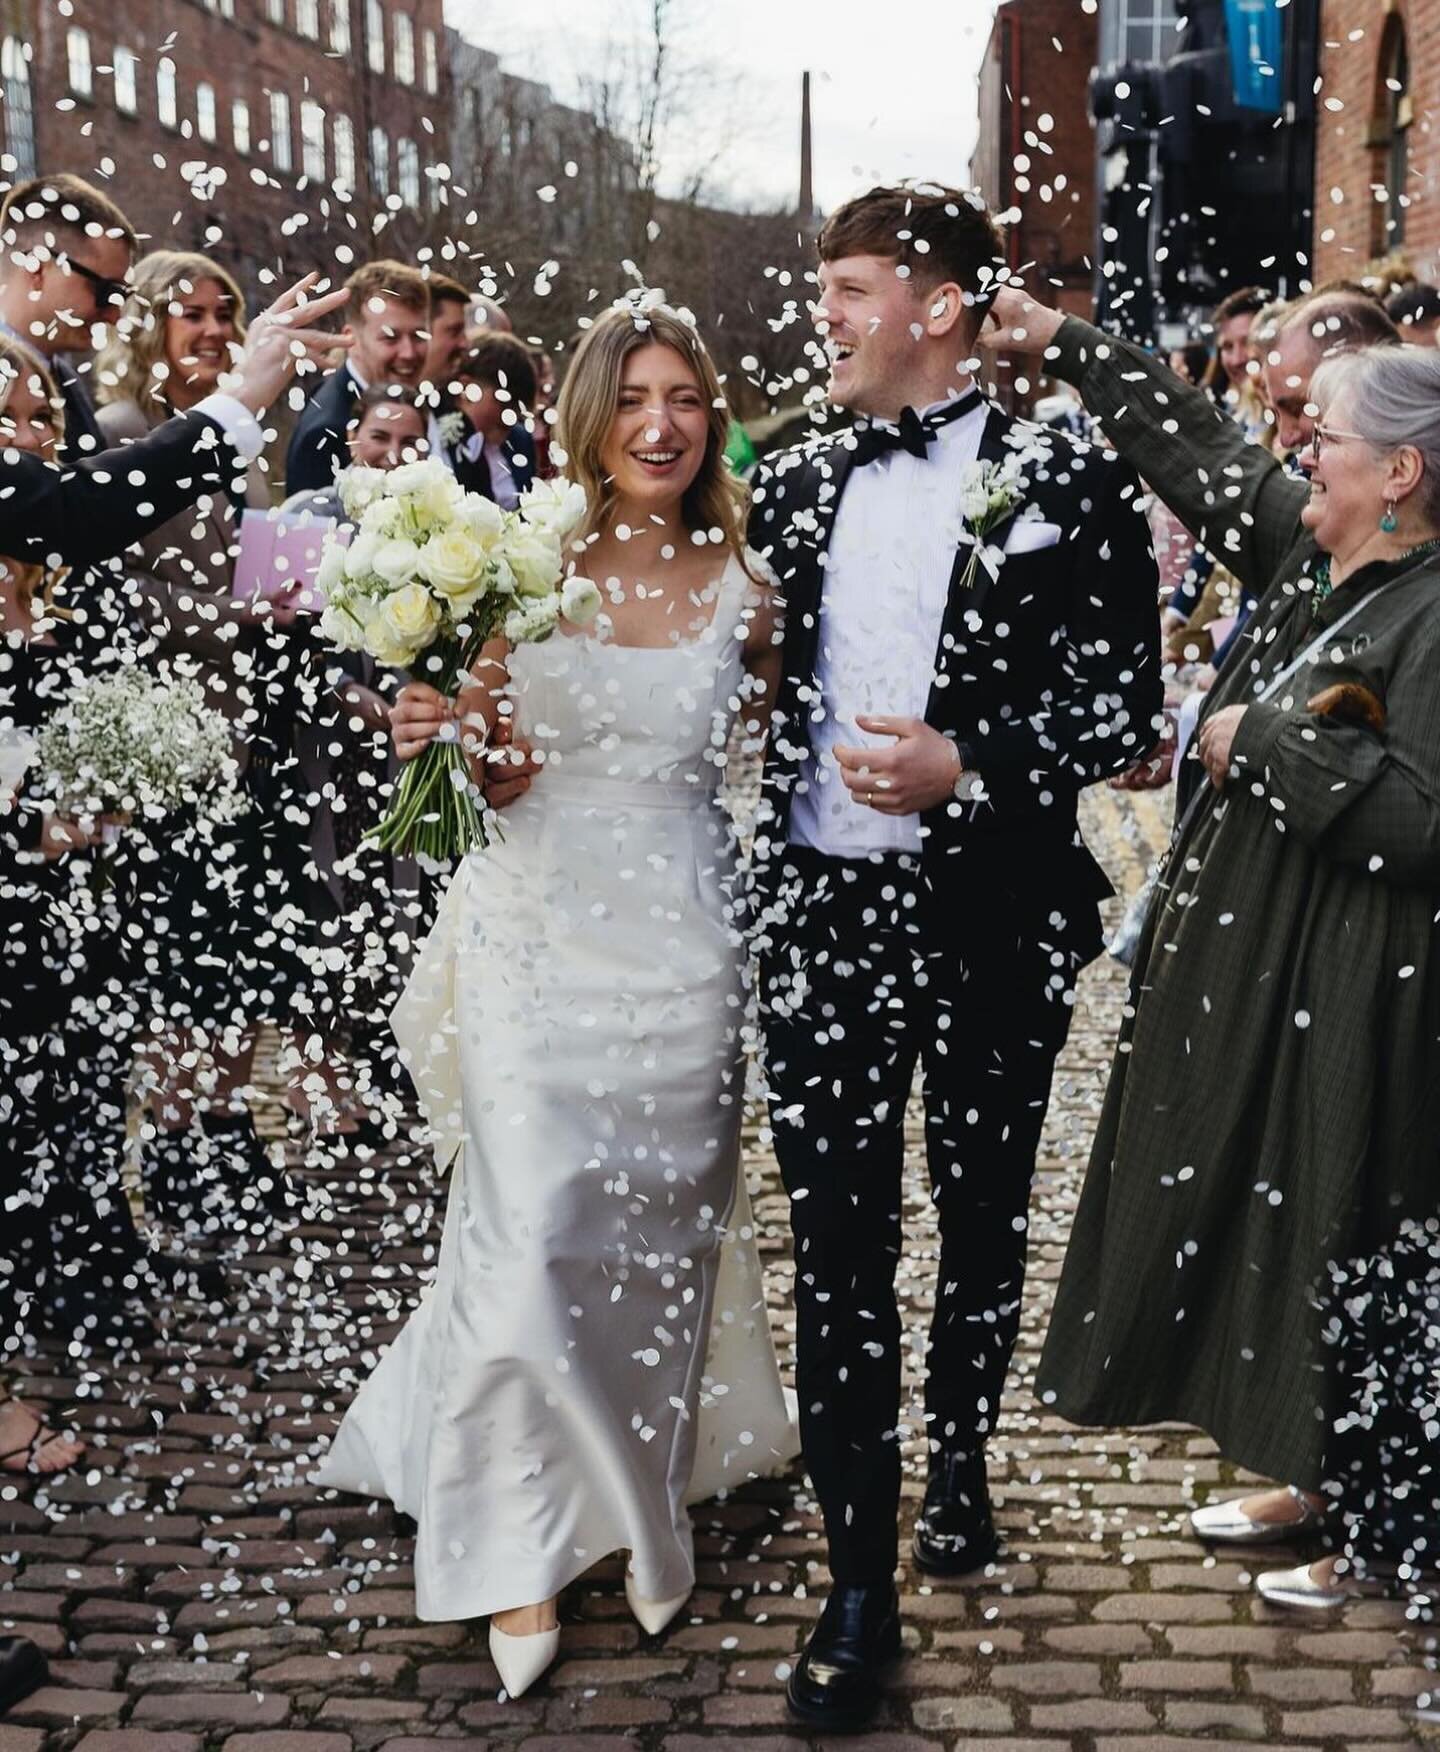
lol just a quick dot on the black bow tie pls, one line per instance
(911, 434)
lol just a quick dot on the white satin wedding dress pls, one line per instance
(594, 1353)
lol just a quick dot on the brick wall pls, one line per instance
(191, 178)
(1036, 148)
(1352, 157)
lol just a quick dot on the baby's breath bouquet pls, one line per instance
(430, 574)
(129, 742)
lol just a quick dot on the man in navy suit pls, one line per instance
(497, 388)
(65, 255)
(387, 317)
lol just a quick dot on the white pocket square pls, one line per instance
(1028, 534)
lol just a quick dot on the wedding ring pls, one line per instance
(869, 798)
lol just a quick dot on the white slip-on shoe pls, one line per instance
(1228, 1524)
(520, 1660)
(652, 1615)
(1298, 1588)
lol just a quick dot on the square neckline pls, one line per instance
(720, 585)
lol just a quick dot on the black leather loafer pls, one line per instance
(23, 1669)
(836, 1683)
(955, 1531)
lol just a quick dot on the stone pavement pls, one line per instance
(191, 1589)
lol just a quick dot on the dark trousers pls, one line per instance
(866, 977)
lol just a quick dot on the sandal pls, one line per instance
(42, 1436)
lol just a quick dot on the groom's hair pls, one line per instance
(936, 233)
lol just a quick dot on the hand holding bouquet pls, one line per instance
(431, 574)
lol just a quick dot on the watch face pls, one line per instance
(969, 786)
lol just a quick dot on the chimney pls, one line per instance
(807, 181)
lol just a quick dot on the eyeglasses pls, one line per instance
(1324, 435)
(107, 291)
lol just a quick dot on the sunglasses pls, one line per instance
(107, 291)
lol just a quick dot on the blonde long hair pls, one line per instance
(24, 577)
(715, 499)
(131, 366)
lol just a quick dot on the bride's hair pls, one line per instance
(715, 499)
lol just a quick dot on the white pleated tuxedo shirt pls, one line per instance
(886, 581)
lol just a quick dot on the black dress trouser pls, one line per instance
(865, 978)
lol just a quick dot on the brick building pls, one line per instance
(266, 132)
(1035, 154)
(1377, 156)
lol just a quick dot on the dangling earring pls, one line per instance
(1389, 522)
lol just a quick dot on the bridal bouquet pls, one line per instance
(129, 742)
(431, 573)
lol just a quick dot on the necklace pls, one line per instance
(1323, 589)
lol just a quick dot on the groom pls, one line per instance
(957, 666)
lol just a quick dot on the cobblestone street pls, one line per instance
(191, 1589)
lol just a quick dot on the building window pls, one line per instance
(307, 18)
(380, 161)
(280, 154)
(312, 140)
(1390, 140)
(125, 66)
(404, 48)
(19, 113)
(340, 26)
(407, 155)
(1137, 30)
(205, 122)
(240, 124)
(275, 11)
(77, 61)
(167, 98)
(375, 36)
(344, 138)
(432, 62)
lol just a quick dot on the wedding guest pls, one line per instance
(1228, 377)
(1291, 944)
(65, 255)
(497, 389)
(233, 898)
(91, 511)
(387, 318)
(390, 426)
(1415, 311)
(449, 302)
(486, 316)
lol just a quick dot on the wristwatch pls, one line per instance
(969, 786)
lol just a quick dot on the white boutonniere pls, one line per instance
(452, 427)
(990, 494)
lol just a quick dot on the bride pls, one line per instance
(595, 1351)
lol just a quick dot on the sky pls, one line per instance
(893, 82)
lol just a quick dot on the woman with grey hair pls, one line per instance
(1273, 1111)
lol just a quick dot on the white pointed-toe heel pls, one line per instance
(652, 1615)
(520, 1660)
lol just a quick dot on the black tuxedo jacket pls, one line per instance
(317, 445)
(93, 511)
(80, 421)
(519, 452)
(1047, 676)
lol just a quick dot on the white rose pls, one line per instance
(396, 560)
(416, 477)
(360, 555)
(535, 619)
(410, 617)
(580, 600)
(558, 506)
(534, 557)
(380, 516)
(358, 487)
(974, 502)
(482, 517)
(343, 623)
(455, 563)
(330, 573)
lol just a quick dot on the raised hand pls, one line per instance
(280, 340)
(1016, 323)
(918, 772)
(419, 714)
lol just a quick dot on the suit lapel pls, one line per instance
(806, 587)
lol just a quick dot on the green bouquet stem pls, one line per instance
(432, 810)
